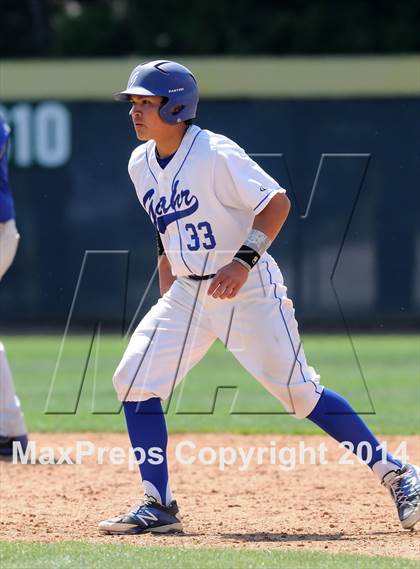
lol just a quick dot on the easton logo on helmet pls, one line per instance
(176, 90)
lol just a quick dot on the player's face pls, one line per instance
(146, 119)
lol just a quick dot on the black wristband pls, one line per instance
(247, 256)
(159, 244)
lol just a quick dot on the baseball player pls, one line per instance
(12, 423)
(216, 212)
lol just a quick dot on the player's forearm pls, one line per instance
(266, 226)
(166, 278)
(273, 216)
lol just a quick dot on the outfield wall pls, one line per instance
(344, 131)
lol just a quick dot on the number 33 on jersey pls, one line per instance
(204, 202)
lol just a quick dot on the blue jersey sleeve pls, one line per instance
(4, 132)
(7, 210)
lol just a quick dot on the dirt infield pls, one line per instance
(334, 507)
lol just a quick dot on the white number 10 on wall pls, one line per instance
(41, 135)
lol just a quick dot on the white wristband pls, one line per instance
(258, 241)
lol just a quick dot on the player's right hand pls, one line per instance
(228, 281)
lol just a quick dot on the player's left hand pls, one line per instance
(228, 281)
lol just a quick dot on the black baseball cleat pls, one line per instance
(404, 487)
(6, 444)
(149, 517)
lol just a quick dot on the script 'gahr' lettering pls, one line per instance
(180, 204)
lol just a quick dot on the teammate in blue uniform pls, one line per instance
(216, 213)
(12, 423)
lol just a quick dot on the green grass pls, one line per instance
(95, 556)
(390, 366)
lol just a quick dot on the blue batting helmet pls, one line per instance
(165, 79)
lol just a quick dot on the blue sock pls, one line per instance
(335, 416)
(146, 427)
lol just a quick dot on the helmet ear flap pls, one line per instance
(176, 110)
(169, 113)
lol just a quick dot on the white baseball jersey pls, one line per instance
(205, 200)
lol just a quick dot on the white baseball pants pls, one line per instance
(12, 423)
(178, 331)
(9, 240)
